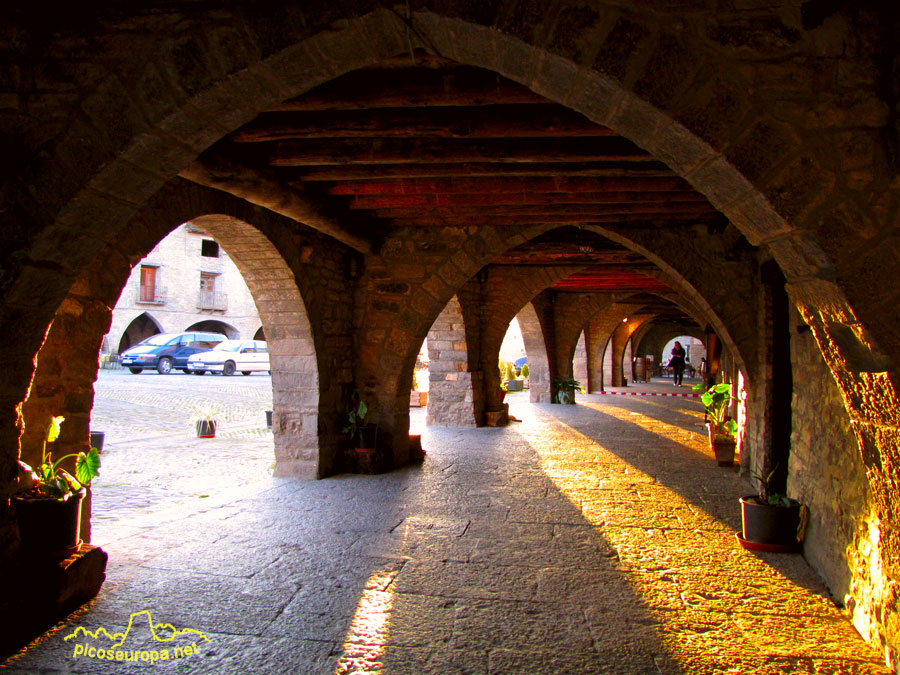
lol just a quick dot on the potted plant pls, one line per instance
(566, 388)
(771, 521)
(722, 428)
(48, 499)
(363, 436)
(362, 433)
(205, 419)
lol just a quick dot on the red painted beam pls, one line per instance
(468, 201)
(509, 184)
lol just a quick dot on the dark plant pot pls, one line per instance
(97, 438)
(767, 524)
(48, 526)
(269, 414)
(723, 448)
(366, 460)
(206, 429)
(368, 437)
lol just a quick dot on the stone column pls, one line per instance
(450, 398)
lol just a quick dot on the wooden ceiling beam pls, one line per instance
(428, 186)
(468, 201)
(258, 188)
(412, 87)
(473, 219)
(431, 151)
(496, 121)
(583, 212)
(466, 170)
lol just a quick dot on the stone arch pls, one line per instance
(141, 327)
(74, 340)
(536, 350)
(624, 69)
(177, 132)
(656, 336)
(292, 351)
(215, 326)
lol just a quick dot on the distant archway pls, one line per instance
(142, 327)
(213, 326)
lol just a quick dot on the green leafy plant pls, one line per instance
(206, 412)
(49, 480)
(566, 388)
(525, 371)
(357, 421)
(717, 400)
(767, 494)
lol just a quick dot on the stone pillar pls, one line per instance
(581, 371)
(450, 398)
(538, 366)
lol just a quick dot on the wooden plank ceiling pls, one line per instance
(436, 144)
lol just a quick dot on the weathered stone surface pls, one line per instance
(483, 559)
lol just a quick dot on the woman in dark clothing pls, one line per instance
(677, 362)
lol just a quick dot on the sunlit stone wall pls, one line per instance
(827, 474)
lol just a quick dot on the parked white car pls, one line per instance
(245, 356)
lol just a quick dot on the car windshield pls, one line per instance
(228, 346)
(158, 340)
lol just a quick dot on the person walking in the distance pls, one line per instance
(677, 362)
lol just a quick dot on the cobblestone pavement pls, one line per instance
(596, 538)
(154, 463)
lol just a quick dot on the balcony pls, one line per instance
(150, 296)
(212, 300)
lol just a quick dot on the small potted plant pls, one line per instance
(566, 388)
(722, 428)
(771, 521)
(363, 434)
(48, 499)
(205, 419)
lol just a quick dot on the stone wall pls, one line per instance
(450, 398)
(828, 475)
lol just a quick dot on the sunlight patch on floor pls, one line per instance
(367, 638)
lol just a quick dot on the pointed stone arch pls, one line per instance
(215, 326)
(139, 328)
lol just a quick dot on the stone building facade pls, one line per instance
(187, 282)
(738, 167)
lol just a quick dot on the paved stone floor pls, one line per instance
(596, 538)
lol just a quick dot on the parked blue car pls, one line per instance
(167, 351)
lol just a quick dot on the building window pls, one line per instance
(149, 289)
(209, 248)
(210, 295)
